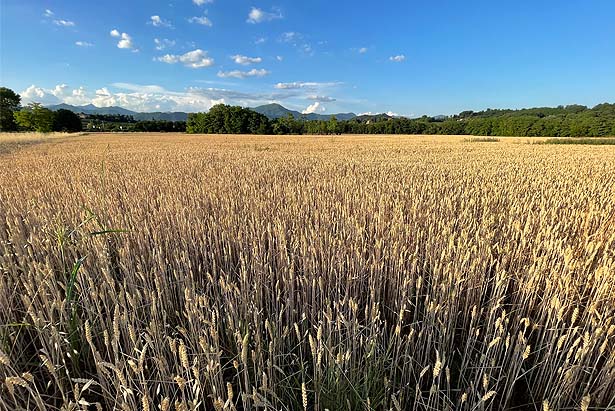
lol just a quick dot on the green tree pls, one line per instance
(35, 117)
(9, 103)
(333, 126)
(67, 121)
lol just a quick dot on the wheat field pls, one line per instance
(176, 272)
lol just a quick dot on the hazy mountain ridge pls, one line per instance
(272, 111)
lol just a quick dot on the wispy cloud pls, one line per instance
(201, 2)
(362, 50)
(125, 41)
(245, 60)
(158, 21)
(257, 15)
(397, 59)
(203, 21)
(83, 44)
(305, 85)
(297, 40)
(64, 23)
(162, 44)
(193, 59)
(322, 99)
(58, 21)
(243, 74)
(260, 40)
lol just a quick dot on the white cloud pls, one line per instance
(201, 2)
(323, 99)
(162, 44)
(60, 93)
(58, 21)
(314, 108)
(291, 36)
(158, 21)
(257, 15)
(64, 23)
(33, 93)
(148, 98)
(245, 60)
(304, 85)
(297, 40)
(362, 50)
(243, 74)
(193, 59)
(152, 98)
(203, 21)
(279, 58)
(83, 44)
(260, 40)
(125, 40)
(388, 113)
(397, 59)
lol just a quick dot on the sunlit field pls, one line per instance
(185, 272)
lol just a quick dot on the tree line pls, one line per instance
(126, 123)
(35, 117)
(562, 121)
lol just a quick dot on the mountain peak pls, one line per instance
(275, 110)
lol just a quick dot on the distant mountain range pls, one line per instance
(272, 111)
(92, 109)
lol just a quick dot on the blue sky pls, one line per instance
(405, 57)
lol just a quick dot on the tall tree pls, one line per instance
(67, 121)
(9, 103)
(35, 117)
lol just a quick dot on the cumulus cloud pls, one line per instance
(397, 59)
(243, 74)
(60, 93)
(125, 41)
(314, 108)
(201, 2)
(158, 21)
(203, 21)
(245, 60)
(34, 94)
(193, 59)
(148, 98)
(48, 13)
(162, 44)
(257, 15)
(83, 44)
(322, 99)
